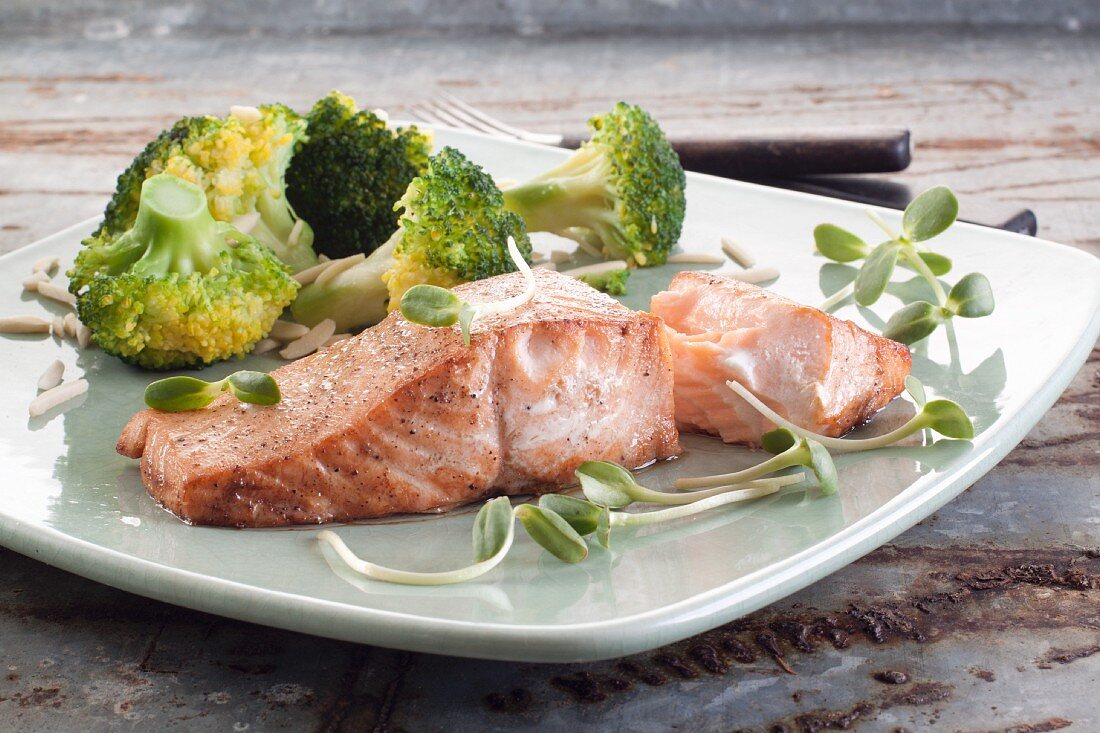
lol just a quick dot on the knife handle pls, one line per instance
(777, 154)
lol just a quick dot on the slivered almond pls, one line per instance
(71, 324)
(57, 293)
(295, 232)
(266, 345)
(48, 264)
(312, 341)
(287, 331)
(52, 376)
(57, 327)
(245, 223)
(737, 253)
(597, 269)
(31, 283)
(24, 324)
(695, 258)
(245, 113)
(83, 336)
(59, 395)
(308, 275)
(754, 274)
(337, 266)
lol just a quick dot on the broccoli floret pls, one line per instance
(178, 289)
(239, 162)
(454, 229)
(612, 282)
(345, 177)
(622, 191)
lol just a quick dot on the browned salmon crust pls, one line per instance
(820, 372)
(404, 418)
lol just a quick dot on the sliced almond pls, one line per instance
(266, 345)
(24, 324)
(337, 266)
(287, 330)
(312, 341)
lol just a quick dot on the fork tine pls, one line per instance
(425, 114)
(480, 120)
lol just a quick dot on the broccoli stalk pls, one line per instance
(178, 288)
(239, 164)
(622, 191)
(454, 229)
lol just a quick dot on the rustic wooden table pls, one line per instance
(990, 608)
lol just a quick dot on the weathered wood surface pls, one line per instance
(964, 604)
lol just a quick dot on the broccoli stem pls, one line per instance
(356, 296)
(276, 223)
(181, 235)
(571, 194)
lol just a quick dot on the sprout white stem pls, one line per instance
(877, 219)
(737, 253)
(837, 444)
(624, 519)
(838, 297)
(510, 304)
(408, 577)
(922, 268)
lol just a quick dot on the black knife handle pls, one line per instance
(793, 153)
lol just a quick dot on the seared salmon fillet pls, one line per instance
(821, 373)
(405, 418)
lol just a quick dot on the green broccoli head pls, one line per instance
(623, 190)
(612, 282)
(240, 163)
(345, 177)
(454, 229)
(178, 289)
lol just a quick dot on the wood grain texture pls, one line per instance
(988, 606)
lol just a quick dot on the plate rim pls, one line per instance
(565, 642)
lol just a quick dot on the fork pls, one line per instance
(773, 154)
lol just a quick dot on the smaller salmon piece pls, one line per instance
(822, 373)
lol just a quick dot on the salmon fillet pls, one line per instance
(821, 373)
(404, 418)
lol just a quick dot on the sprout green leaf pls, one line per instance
(179, 394)
(256, 388)
(947, 419)
(930, 214)
(778, 441)
(607, 484)
(583, 516)
(971, 297)
(552, 532)
(492, 528)
(937, 263)
(822, 465)
(431, 305)
(876, 271)
(838, 244)
(914, 322)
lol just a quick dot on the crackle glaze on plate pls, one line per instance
(69, 500)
